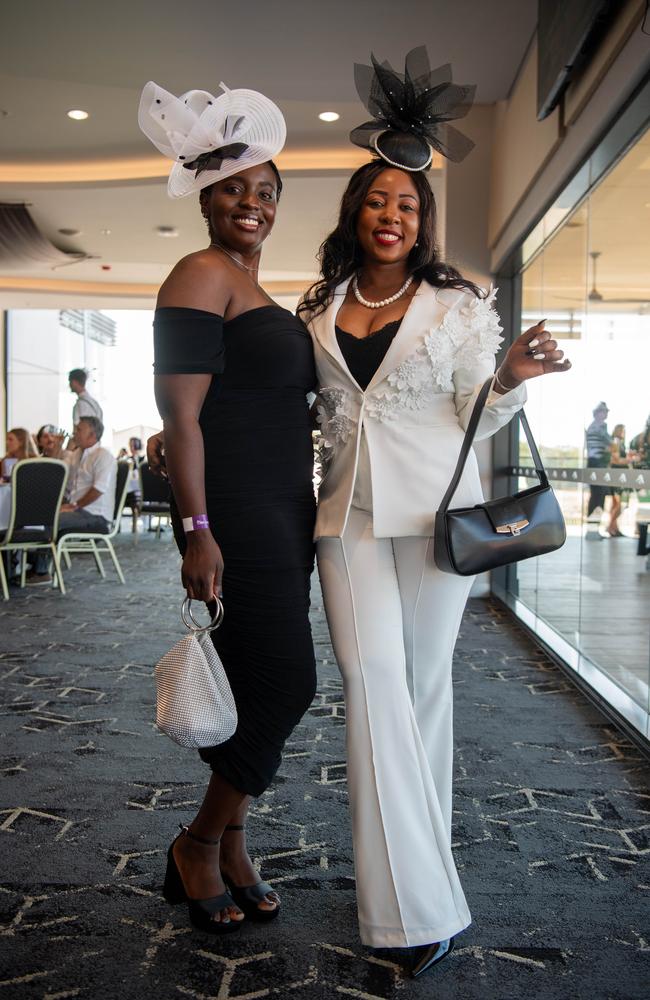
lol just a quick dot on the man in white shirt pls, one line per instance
(90, 495)
(91, 481)
(85, 406)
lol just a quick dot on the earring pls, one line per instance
(417, 243)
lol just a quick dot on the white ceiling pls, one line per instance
(292, 50)
(98, 55)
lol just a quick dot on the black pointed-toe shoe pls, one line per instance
(429, 955)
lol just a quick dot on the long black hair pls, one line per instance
(340, 255)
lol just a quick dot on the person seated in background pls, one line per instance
(135, 451)
(20, 444)
(90, 493)
(135, 457)
(50, 440)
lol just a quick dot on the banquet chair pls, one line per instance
(37, 487)
(155, 496)
(94, 541)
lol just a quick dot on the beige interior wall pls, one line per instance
(522, 145)
(467, 199)
(532, 160)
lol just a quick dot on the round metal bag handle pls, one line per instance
(192, 624)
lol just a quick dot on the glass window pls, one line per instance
(590, 279)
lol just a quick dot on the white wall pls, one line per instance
(40, 355)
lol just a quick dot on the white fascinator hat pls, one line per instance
(210, 138)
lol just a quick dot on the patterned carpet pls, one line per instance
(551, 821)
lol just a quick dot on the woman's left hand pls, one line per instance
(533, 353)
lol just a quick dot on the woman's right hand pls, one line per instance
(156, 454)
(202, 568)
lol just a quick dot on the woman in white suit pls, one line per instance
(402, 345)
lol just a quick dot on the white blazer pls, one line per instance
(413, 413)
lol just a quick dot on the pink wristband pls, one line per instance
(198, 522)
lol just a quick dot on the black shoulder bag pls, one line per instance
(469, 540)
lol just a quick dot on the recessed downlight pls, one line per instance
(329, 116)
(105, 232)
(78, 115)
(168, 232)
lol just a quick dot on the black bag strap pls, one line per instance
(469, 438)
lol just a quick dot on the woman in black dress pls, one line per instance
(232, 372)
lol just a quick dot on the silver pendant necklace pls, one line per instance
(232, 257)
(384, 302)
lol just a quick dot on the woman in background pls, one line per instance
(620, 459)
(20, 444)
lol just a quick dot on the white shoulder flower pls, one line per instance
(332, 416)
(484, 330)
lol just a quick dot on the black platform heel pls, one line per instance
(248, 897)
(200, 911)
(430, 955)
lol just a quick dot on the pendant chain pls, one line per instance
(232, 257)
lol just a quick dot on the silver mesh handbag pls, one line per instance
(194, 704)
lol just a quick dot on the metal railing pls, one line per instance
(631, 479)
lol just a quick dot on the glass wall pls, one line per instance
(586, 269)
(115, 348)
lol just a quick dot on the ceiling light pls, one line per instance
(70, 232)
(329, 116)
(167, 231)
(105, 232)
(78, 115)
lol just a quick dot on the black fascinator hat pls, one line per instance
(411, 112)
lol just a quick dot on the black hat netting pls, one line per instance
(411, 112)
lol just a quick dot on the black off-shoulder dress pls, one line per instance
(260, 502)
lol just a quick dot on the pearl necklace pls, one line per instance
(232, 257)
(384, 302)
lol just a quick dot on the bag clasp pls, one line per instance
(514, 528)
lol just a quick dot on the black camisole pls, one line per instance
(363, 355)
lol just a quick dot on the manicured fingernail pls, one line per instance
(533, 343)
(541, 321)
(539, 357)
(564, 361)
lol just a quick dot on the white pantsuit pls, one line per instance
(393, 616)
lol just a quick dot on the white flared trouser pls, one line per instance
(394, 618)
